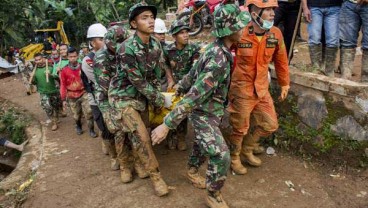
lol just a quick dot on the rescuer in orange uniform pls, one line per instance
(261, 44)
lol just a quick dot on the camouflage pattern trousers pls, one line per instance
(132, 127)
(210, 143)
(50, 103)
(79, 105)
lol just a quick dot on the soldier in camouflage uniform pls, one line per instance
(206, 88)
(135, 84)
(104, 69)
(180, 56)
(26, 72)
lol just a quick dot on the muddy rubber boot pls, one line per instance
(330, 57)
(250, 141)
(258, 150)
(114, 164)
(126, 174)
(315, 52)
(236, 165)
(159, 185)
(54, 126)
(110, 148)
(347, 56)
(92, 133)
(104, 145)
(140, 170)
(182, 144)
(365, 66)
(251, 158)
(215, 200)
(235, 149)
(91, 128)
(195, 178)
(78, 127)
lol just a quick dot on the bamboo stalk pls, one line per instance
(47, 71)
(32, 75)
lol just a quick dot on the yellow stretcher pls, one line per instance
(170, 102)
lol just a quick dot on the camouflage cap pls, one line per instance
(83, 45)
(178, 25)
(137, 9)
(116, 34)
(228, 19)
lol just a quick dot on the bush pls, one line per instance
(12, 124)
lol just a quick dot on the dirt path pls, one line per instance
(75, 173)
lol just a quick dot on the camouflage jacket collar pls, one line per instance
(138, 42)
(172, 47)
(226, 50)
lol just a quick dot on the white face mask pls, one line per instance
(266, 24)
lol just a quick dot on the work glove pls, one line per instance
(284, 92)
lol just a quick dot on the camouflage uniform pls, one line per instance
(208, 83)
(49, 94)
(180, 62)
(26, 75)
(205, 104)
(81, 105)
(50, 103)
(104, 69)
(136, 82)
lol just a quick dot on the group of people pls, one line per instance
(333, 26)
(339, 22)
(124, 74)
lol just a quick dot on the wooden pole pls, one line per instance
(32, 75)
(291, 50)
(47, 70)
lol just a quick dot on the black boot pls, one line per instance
(78, 127)
(91, 127)
(92, 133)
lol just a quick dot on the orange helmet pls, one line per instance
(262, 3)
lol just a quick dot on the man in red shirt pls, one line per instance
(72, 90)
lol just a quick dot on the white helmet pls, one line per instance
(96, 31)
(160, 26)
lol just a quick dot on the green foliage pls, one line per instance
(13, 125)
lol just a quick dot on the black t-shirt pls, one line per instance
(324, 3)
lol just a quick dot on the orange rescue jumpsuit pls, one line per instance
(248, 94)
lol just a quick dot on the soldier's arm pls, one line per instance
(102, 75)
(196, 53)
(130, 65)
(187, 81)
(281, 63)
(165, 64)
(209, 78)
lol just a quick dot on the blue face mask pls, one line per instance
(266, 25)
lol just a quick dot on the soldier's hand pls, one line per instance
(170, 86)
(176, 89)
(159, 134)
(362, 2)
(284, 92)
